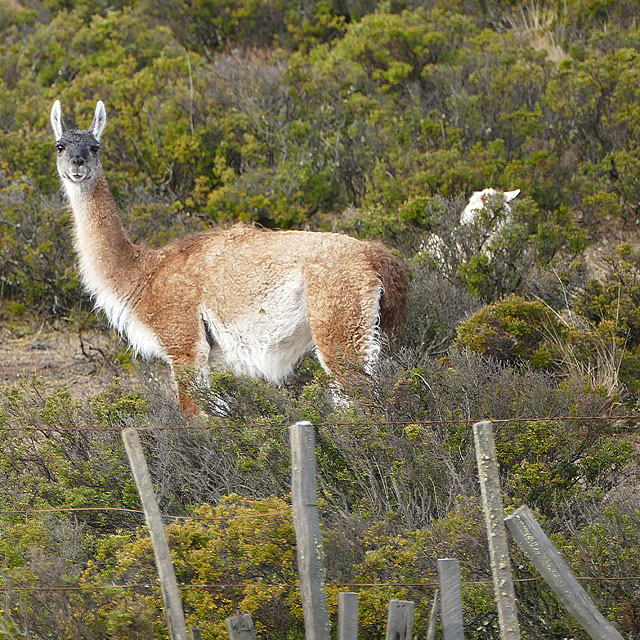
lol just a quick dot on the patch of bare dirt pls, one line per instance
(600, 256)
(84, 363)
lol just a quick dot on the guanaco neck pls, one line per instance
(109, 261)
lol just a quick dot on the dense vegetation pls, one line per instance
(377, 119)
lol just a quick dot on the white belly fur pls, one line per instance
(266, 342)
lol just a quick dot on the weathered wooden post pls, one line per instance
(488, 472)
(311, 567)
(433, 616)
(241, 627)
(400, 620)
(347, 616)
(530, 537)
(168, 582)
(450, 599)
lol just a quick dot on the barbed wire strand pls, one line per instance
(270, 514)
(352, 423)
(296, 585)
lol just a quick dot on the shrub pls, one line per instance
(239, 542)
(34, 252)
(514, 330)
(395, 495)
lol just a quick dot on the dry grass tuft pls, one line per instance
(542, 26)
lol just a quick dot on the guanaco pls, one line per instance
(245, 298)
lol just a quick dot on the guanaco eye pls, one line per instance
(60, 147)
(95, 148)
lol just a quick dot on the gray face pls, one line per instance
(78, 162)
(78, 156)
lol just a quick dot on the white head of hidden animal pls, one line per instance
(479, 200)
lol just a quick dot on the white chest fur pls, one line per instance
(143, 341)
(120, 315)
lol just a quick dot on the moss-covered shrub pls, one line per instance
(514, 330)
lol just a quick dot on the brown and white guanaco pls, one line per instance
(245, 299)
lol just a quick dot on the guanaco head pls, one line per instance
(78, 150)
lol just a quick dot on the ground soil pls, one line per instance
(84, 362)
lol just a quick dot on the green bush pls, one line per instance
(34, 249)
(394, 496)
(514, 330)
(378, 119)
(238, 542)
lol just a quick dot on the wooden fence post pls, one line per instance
(306, 520)
(530, 537)
(488, 472)
(450, 599)
(433, 616)
(241, 627)
(400, 620)
(168, 582)
(347, 616)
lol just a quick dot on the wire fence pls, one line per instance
(430, 584)
(622, 421)
(627, 422)
(184, 518)
(351, 423)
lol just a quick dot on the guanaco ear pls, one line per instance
(57, 122)
(99, 120)
(510, 195)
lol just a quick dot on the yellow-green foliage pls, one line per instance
(379, 119)
(375, 106)
(243, 549)
(514, 330)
